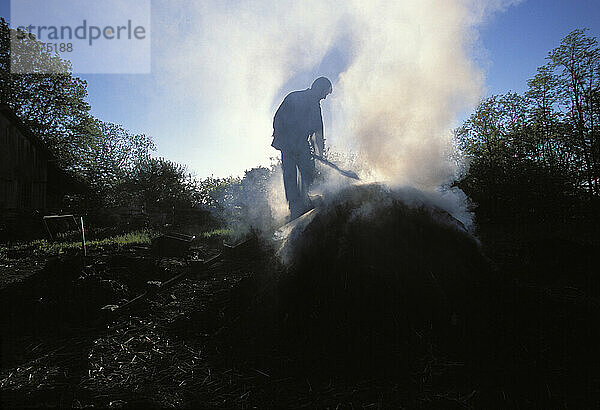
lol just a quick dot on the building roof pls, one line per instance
(34, 139)
(67, 177)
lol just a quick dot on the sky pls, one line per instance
(190, 110)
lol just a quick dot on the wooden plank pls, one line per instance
(163, 286)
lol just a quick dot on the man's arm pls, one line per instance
(319, 137)
(319, 143)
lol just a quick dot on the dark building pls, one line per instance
(31, 182)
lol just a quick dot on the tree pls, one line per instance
(507, 176)
(53, 106)
(535, 154)
(160, 184)
(110, 159)
(577, 61)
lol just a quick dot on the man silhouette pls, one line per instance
(297, 120)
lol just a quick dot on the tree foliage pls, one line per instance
(54, 107)
(115, 163)
(158, 183)
(537, 154)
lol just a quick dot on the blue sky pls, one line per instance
(518, 40)
(511, 45)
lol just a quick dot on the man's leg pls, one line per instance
(306, 166)
(290, 183)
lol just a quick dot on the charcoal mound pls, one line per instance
(377, 276)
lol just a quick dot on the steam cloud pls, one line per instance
(402, 72)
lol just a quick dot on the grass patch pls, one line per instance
(42, 247)
(71, 242)
(217, 232)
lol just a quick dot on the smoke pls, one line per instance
(402, 72)
(410, 76)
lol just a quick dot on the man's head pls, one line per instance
(321, 87)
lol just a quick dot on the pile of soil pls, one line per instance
(385, 285)
(372, 273)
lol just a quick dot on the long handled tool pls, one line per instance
(347, 173)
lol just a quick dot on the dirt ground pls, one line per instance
(194, 344)
(59, 349)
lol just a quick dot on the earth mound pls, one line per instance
(375, 276)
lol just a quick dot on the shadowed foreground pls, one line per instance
(384, 302)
